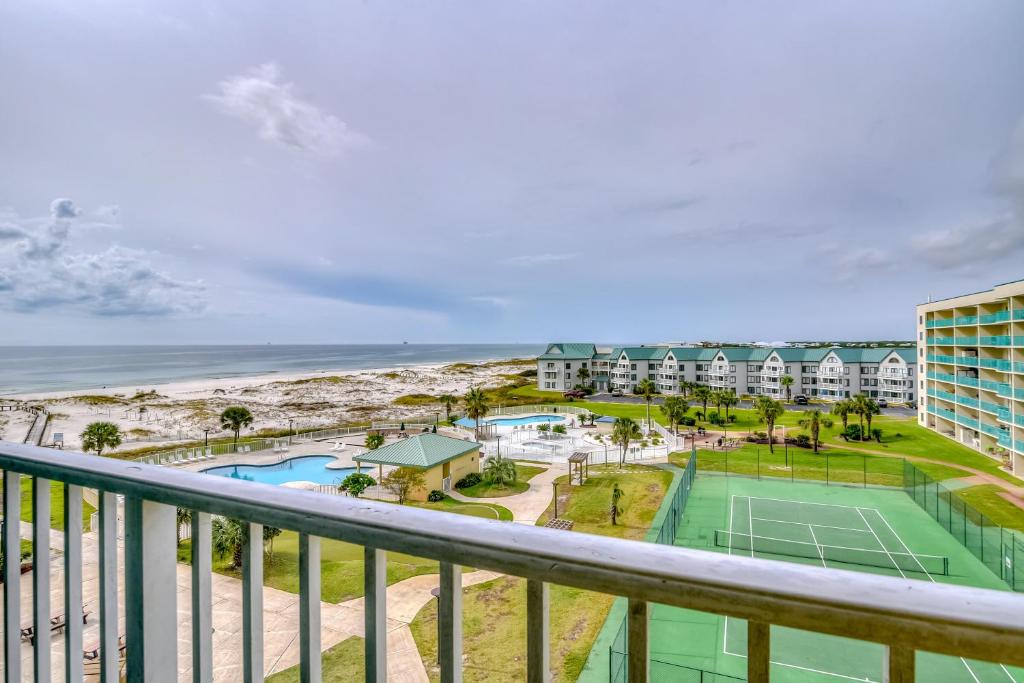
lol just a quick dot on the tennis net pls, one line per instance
(766, 545)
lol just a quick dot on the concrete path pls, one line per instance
(528, 506)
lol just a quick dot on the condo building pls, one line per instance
(826, 373)
(971, 354)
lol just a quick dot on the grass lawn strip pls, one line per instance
(56, 504)
(487, 490)
(341, 664)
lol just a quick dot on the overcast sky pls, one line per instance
(218, 172)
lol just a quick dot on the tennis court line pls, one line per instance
(821, 553)
(809, 502)
(930, 578)
(820, 526)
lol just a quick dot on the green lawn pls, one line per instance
(485, 510)
(56, 504)
(986, 500)
(341, 664)
(524, 473)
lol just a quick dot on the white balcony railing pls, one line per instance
(904, 615)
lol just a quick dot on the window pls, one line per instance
(633, 377)
(551, 366)
(732, 380)
(632, 366)
(732, 368)
(568, 366)
(584, 364)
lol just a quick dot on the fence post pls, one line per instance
(864, 459)
(758, 466)
(826, 468)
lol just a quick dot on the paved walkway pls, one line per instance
(528, 506)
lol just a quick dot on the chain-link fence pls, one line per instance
(998, 548)
(795, 463)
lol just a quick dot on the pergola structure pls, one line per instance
(581, 462)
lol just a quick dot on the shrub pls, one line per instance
(732, 418)
(356, 483)
(558, 429)
(688, 422)
(802, 440)
(876, 434)
(852, 433)
(471, 479)
(715, 418)
(435, 496)
(544, 427)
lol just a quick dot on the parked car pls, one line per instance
(882, 403)
(575, 393)
(800, 400)
(616, 392)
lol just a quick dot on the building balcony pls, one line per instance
(997, 340)
(992, 318)
(966, 320)
(902, 615)
(941, 358)
(939, 322)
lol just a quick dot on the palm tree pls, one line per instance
(448, 400)
(616, 497)
(476, 408)
(813, 422)
(624, 431)
(787, 382)
(374, 440)
(646, 388)
(674, 408)
(234, 418)
(842, 410)
(500, 471)
(870, 410)
(227, 536)
(768, 411)
(100, 435)
(716, 399)
(686, 388)
(861, 405)
(703, 394)
(729, 400)
(584, 375)
(183, 516)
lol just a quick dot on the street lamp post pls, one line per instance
(206, 437)
(290, 421)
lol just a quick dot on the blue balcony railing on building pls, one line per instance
(942, 412)
(1019, 420)
(902, 615)
(940, 358)
(941, 376)
(995, 364)
(1003, 414)
(989, 407)
(991, 318)
(1019, 446)
(967, 421)
(942, 341)
(966, 320)
(967, 401)
(1018, 340)
(939, 322)
(993, 386)
(1018, 314)
(996, 340)
(965, 381)
(969, 361)
(991, 430)
(965, 341)
(1004, 439)
(944, 395)
(1006, 392)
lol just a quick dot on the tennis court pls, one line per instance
(869, 530)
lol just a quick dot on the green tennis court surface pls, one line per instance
(870, 530)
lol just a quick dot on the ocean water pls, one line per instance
(25, 369)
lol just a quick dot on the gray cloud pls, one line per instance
(43, 272)
(261, 98)
(847, 263)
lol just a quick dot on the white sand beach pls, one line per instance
(179, 411)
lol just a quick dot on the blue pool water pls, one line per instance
(509, 421)
(305, 468)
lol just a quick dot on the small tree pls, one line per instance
(813, 422)
(616, 510)
(787, 383)
(768, 411)
(476, 408)
(234, 418)
(374, 440)
(842, 410)
(448, 401)
(646, 388)
(227, 537)
(269, 534)
(624, 431)
(702, 394)
(356, 483)
(584, 376)
(500, 471)
(729, 400)
(402, 481)
(674, 409)
(182, 516)
(100, 435)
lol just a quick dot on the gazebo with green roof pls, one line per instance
(442, 460)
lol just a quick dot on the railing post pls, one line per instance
(109, 653)
(202, 597)
(40, 577)
(309, 609)
(538, 622)
(73, 582)
(375, 590)
(12, 576)
(151, 612)
(899, 664)
(637, 645)
(449, 623)
(252, 601)
(759, 648)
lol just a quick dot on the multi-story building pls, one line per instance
(971, 376)
(827, 373)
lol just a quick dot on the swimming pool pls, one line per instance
(304, 468)
(511, 421)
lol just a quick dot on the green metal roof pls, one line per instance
(793, 355)
(422, 451)
(645, 352)
(692, 353)
(571, 351)
(735, 353)
(849, 355)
